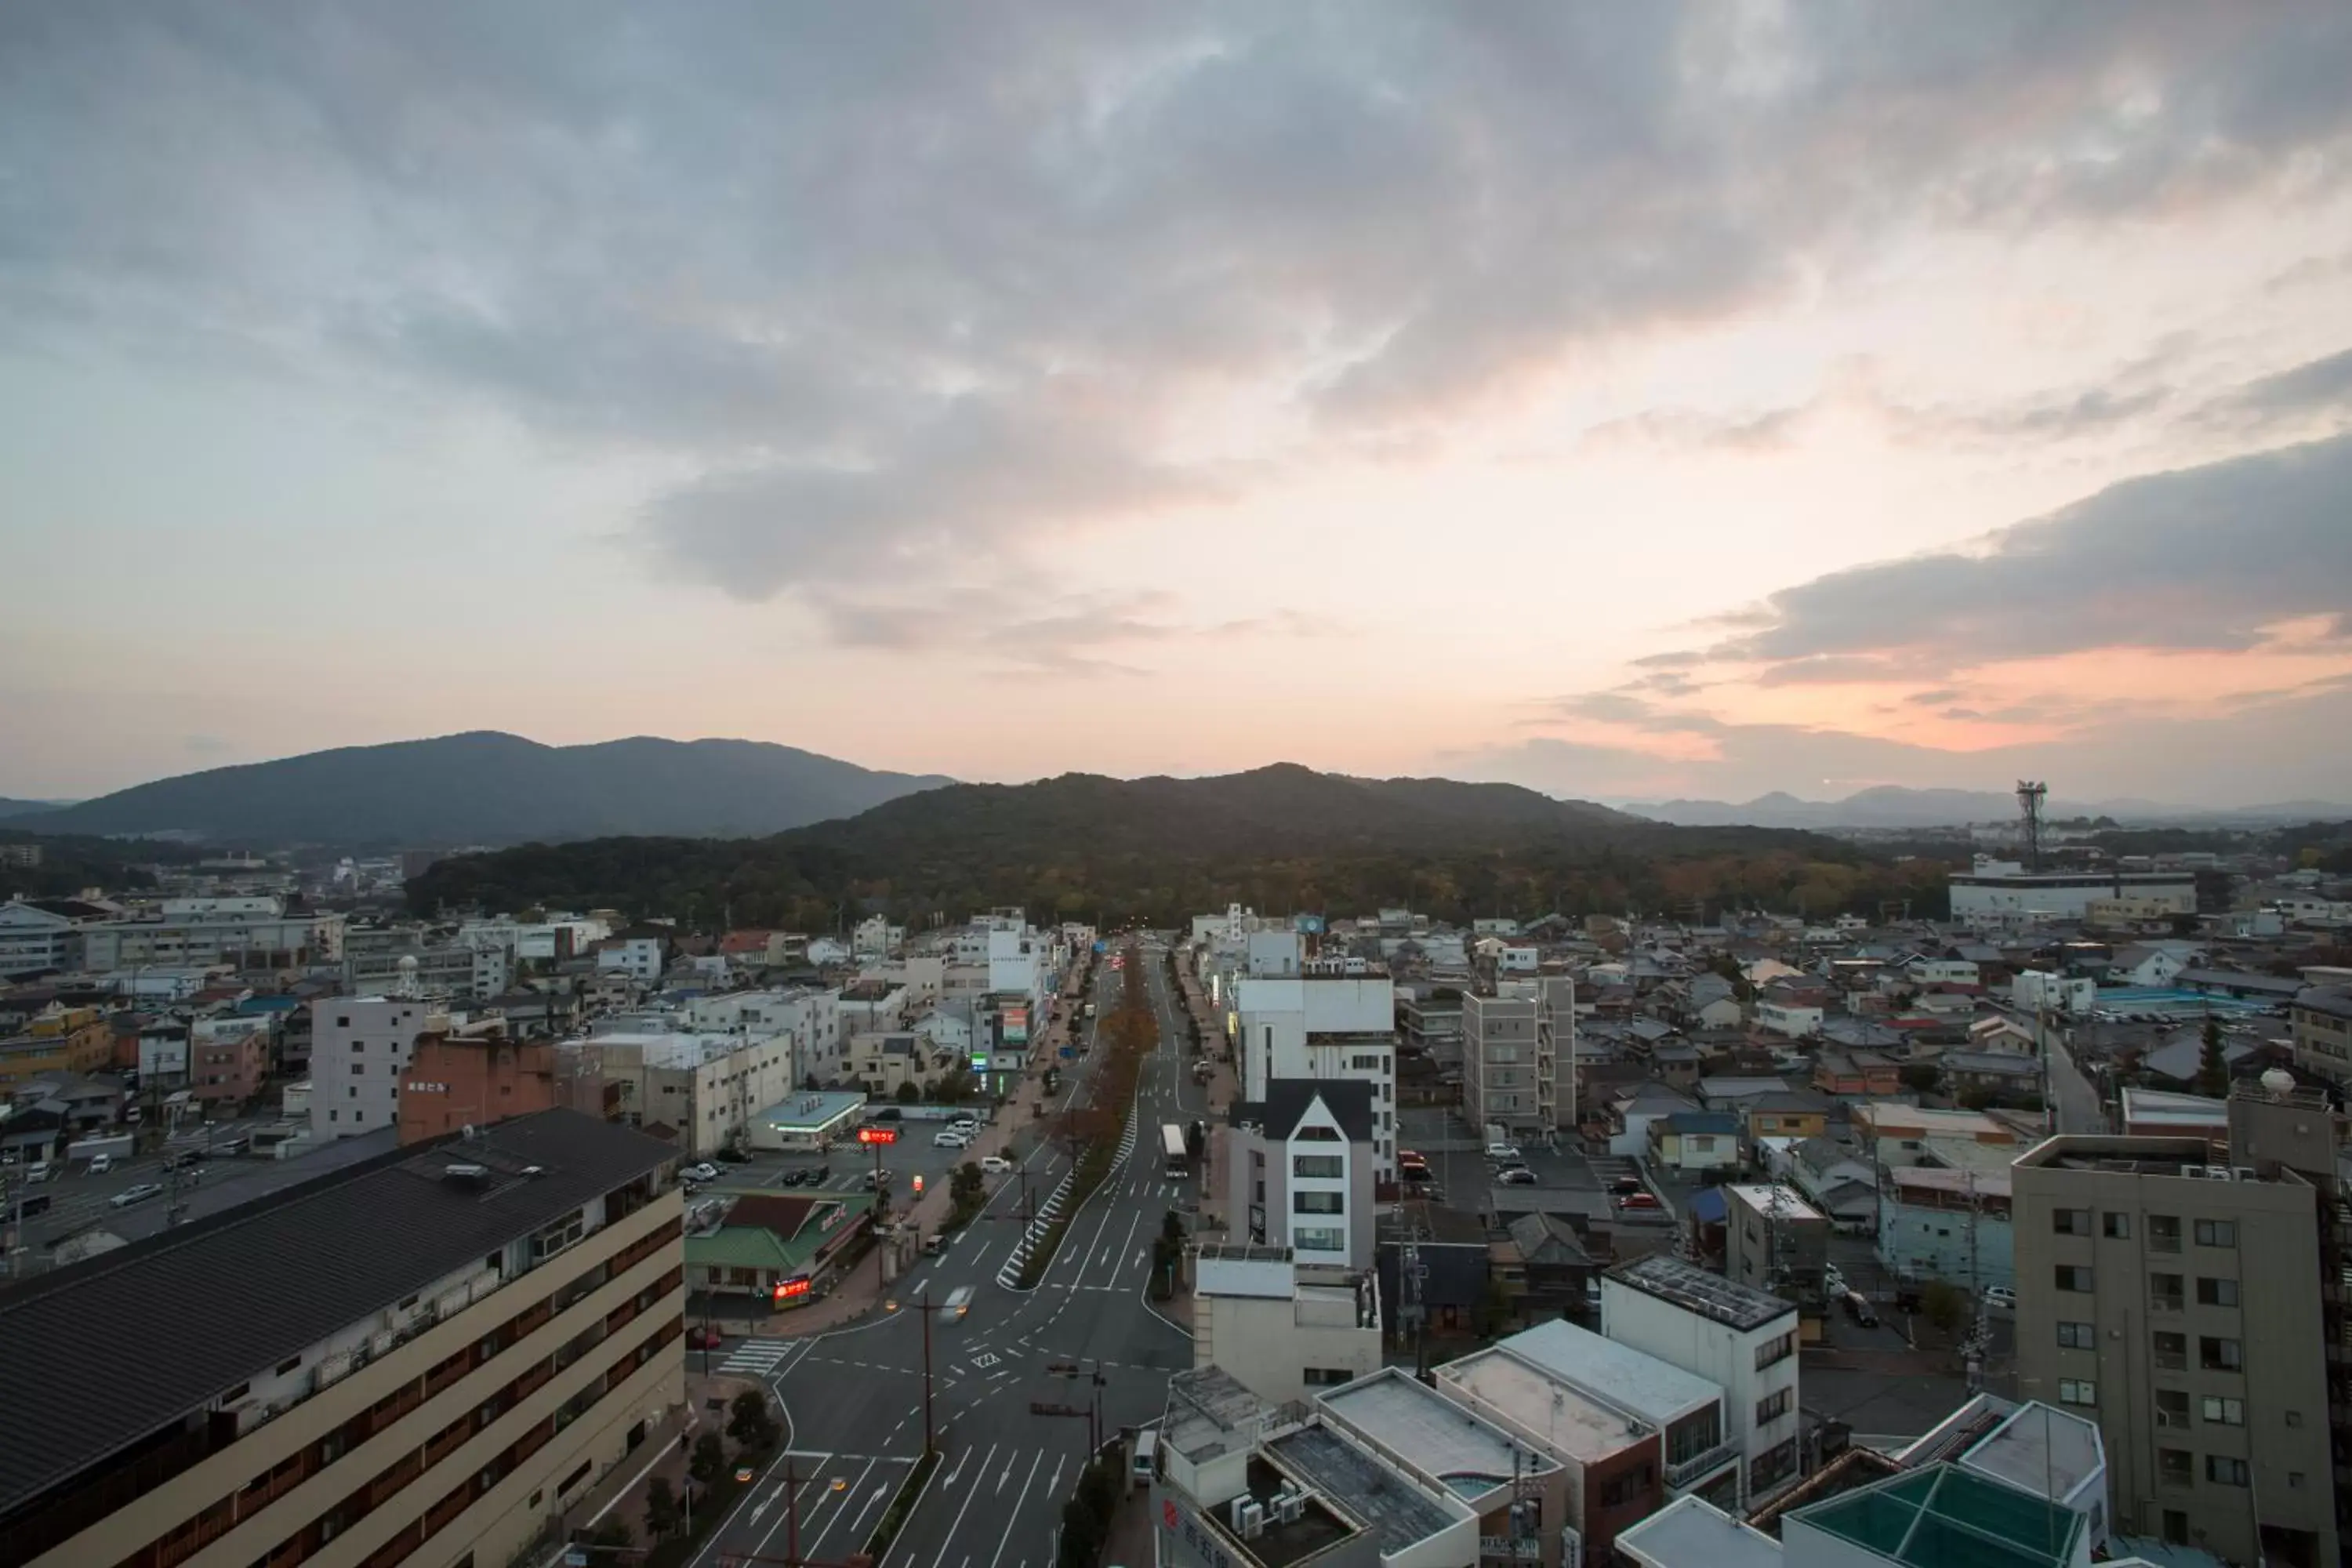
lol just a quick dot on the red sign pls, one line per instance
(877, 1135)
(791, 1287)
(1168, 1514)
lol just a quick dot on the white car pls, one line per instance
(1509, 1152)
(995, 1164)
(953, 1137)
(705, 1172)
(137, 1195)
(2001, 1299)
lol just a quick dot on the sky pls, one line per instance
(1623, 400)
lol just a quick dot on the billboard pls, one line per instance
(1306, 925)
(1016, 1025)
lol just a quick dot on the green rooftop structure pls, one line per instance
(778, 1251)
(1941, 1517)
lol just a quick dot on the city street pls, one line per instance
(853, 1399)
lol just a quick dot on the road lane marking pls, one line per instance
(956, 1527)
(1016, 1507)
(841, 1511)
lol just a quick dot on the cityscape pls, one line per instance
(1524, 785)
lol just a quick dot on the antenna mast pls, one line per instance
(2031, 793)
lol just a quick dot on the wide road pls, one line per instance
(853, 1398)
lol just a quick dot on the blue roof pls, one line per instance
(1700, 1122)
(1707, 1206)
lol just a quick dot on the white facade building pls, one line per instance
(1741, 1338)
(360, 1047)
(638, 957)
(2035, 989)
(1279, 1328)
(34, 939)
(266, 937)
(1999, 893)
(1336, 1019)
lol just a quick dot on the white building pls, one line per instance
(1299, 1166)
(34, 940)
(1796, 1022)
(1334, 1019)
(706, 1086)
(638, 957)
(467, 971)
(2035, 989)
(2003, 892)
(806, 1018)
(1281, 1328)
(1741, 1338)
(360, 1047)
(266, 937)
(1689, 1412)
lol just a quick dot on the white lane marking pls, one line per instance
(1016, 1507)
(956, 1527)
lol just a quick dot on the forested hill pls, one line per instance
(1282, 837)
(486, 787)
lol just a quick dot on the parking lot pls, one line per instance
(848, 1166)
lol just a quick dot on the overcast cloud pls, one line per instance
(874, 310)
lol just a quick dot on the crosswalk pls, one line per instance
(757, 1357)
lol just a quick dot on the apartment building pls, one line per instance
(2321, 1021)
(360, 1050)
(1299, 1168)
(704, 1087)
(232, 1059)
(473, 1076)
(2194, 1310)
(467, 972)
(1324, 1018)
(1736, 1337)
(422, 1358)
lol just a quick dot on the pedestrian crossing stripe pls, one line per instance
(760, 1357)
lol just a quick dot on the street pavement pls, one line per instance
(853, 1398)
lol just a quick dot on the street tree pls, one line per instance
(2212, 1065)
(662, 1510)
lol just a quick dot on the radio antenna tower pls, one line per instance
(2031, 793)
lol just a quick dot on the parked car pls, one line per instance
(702, 1337)
(734, 1156)
(2001, 1299)
(995, 1164)
(963, 1118)
(818, 1176)
(950, 1139)
(100, 1163)
(704, 1172)
(1516, 1176)
(137, 1195)
(793, 1178)
(1640, 1200)
(1858, 1308)
(1626, 1185)
(1509, 1152)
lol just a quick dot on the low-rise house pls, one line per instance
(1695, 1141)
(1996, 1074)
(1790, 1113)
(1554, 1269)
(1857, 1072)
(1454, 1256)
(1628, 1119)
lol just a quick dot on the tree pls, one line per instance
(1920, 1076)
(708, 1460)
(1943, 1305)
(909, 1092)
(612, 1533)
(662, 1513)
(2213, 1066)
(748, 1422)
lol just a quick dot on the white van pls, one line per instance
(1146, 1451)
(100, 1163)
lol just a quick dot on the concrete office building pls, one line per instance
(1299, 1165)
(421, 1359)
(1332, 1018)
(1281, 1327)
(1738, 1337)
(1519, 1056)
(2003, 892)
(360, 1047)
(2194, 1308)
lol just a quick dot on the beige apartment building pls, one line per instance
(419, 1359)
(2196, 1311)
(1518, 1056)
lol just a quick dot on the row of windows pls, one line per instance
(2163, 1229)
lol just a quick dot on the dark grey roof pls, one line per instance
(1688, 1286)
(2333, 1000)
(243, 1291)
(1349, 1102)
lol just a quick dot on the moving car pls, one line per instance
(137, 1195)
(958, 1303)
(794, 1178)
(704, 1172)
(1502, 1152)
(1858, 1308)
(877, 1179)
(100, 1163)
(995, 1164)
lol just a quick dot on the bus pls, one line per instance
(1174, 1160)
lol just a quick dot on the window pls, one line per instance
(2077, 1391)
(2072, 1277)
(2217, 1292)
(1326, 1376)
(1320, 1167)
(2070, 1221)
(350, 1093)
(1317, 1202)
(2115, 1226)
(2164, 1292)
(2223, 1412)
(2221, 1355)
(1772, 1406)
(2077, 1336)
(2164, 1233)
(358, 1068)
(2171, 1407)
(291, 1363)
(2172, 1352)
(2176, 1467)
(1775, 1350)
(358, 1046)
(2217, 1233)
(1318, 1239)
(334, 1115)
(2224, 1470)
(2176, 1526)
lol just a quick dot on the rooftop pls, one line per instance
(248, 1288)
(2156, 1107)
(1210, 1412)
(1404, 1416)
(1518, 1390)
(812, 1112)
(1944, 1517)
(1691, 1532)
(1773, 1198)
(2049, 1452)
(1632, 1380)
(1693, 1288)
(1396, 1513)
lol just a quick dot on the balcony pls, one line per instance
(1699, 1465)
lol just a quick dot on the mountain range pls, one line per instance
(486, 787)
(1895, 807)
(15, 808)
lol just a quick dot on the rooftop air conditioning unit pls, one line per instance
(465, 1172)
(1249, 1518)
(1290, 1506)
